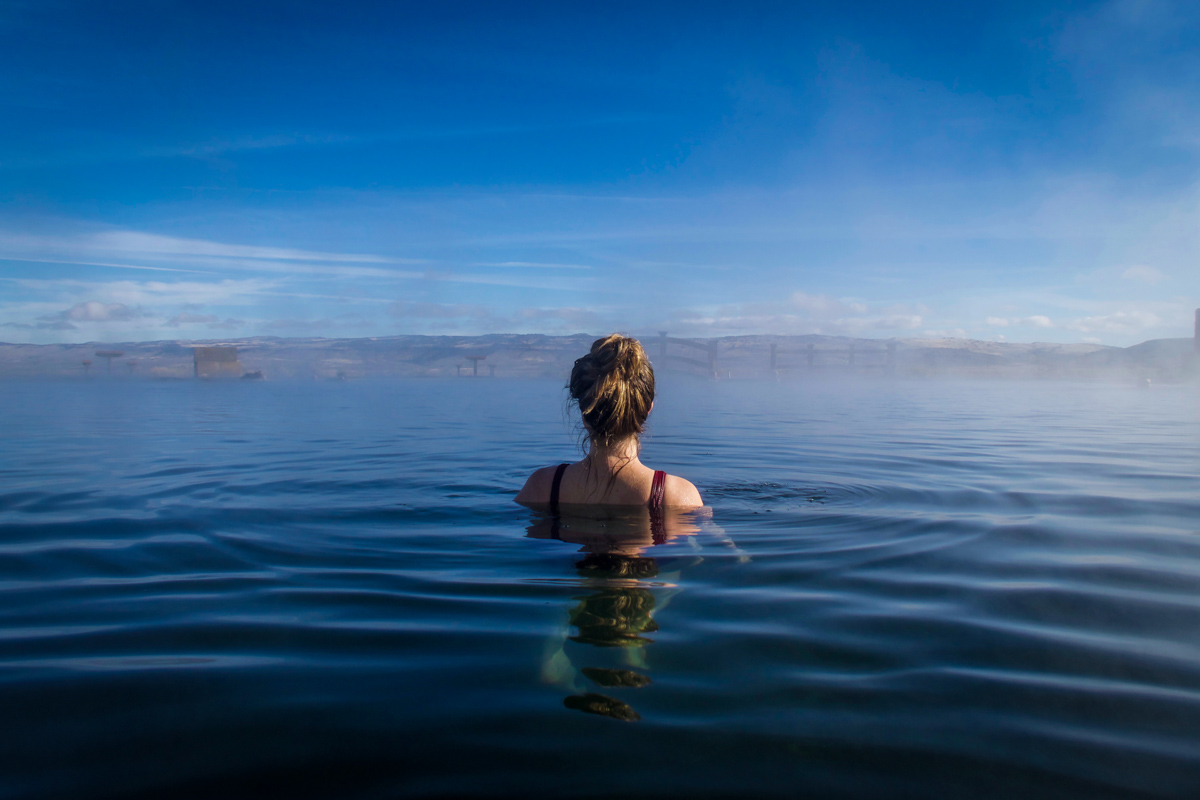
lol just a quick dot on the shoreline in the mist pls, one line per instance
(537, 355)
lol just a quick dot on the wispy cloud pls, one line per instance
(801, 313)
(103, 264)
(218, 147)
(133, 293)
(133, 242)
(154, 251)
(345, 324)
(527, 264)
(209, 321)
(93, 311)
(1120, 323)
(419, 317)
(410, 310)
(1144, 273)
(1034, 321)
(1139, 320)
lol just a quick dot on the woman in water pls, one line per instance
(613, 385)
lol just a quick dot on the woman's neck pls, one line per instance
(614, 456)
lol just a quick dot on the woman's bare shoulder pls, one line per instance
(681, 493)
(537, 487)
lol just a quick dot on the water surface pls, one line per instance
(903, 589)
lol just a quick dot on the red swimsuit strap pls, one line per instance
(658, 490)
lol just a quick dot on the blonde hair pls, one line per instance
(613, 385)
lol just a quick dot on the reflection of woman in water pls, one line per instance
(614, 507)
(614, 615)
(613, 385)
(624, 589)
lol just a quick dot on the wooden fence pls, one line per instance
(809, 357)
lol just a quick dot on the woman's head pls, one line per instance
(614, 388)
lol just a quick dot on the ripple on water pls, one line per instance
(902, 590)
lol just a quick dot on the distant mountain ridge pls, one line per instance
(537, 355)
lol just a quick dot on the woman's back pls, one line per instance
(586, 483)
(613, 386)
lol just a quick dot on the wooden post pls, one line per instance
(108, 356)
(773, 356)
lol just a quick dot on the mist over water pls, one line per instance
(903, 589)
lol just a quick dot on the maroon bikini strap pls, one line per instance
(658, 490)
(558, 473)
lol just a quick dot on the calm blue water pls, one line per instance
(903, 590)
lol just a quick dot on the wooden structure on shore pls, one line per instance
(475, 367)
(813, 356)
(108, 356)
(849, 356)
(708, 365)
(475, 364)
(216, 362)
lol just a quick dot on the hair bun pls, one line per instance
(614, 388)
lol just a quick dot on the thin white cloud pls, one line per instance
(344, 323)
(569, 318)
(1143, 273)
(1122, 320)
(134, 242)
(800, 313)
(822, 305)
(87, 313)
(155, 293)
(98, 249)
(103, 264)
(1035, 321)
(472, 318)
(528, 264)
(218, 147)
(408, 310)
(187, 318)
(1120, 323)
(93, 311)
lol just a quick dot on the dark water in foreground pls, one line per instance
(904, 590)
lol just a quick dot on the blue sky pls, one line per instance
(205, 170)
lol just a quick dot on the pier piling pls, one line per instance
(108, 356)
